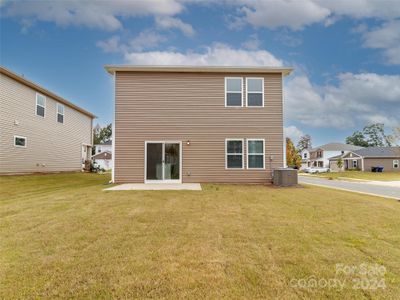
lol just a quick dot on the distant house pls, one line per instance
(39, 130)
(103, 160)
(103, 147)
(366, 158)
(319, 156)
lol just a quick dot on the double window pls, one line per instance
(40, 105)
(234, 92)
(60, 113)
(234, 150)
(19, 141)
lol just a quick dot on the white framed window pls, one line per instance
(396, 164)
(60, 113)
(40, 105)
(234, 153)
(233, 91)
(255, 154)
(254, 92)
(20, 141)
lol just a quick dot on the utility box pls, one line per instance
(285, 177)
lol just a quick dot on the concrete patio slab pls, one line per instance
(155, 187)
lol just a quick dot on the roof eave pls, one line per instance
(197, 69)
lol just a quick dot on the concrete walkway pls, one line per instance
(375, 189)
(155, 187)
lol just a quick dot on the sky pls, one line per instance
(346, 54)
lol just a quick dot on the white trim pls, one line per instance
(226, 153)
(57, 113)
(247, 91)
(20, 137)
(284, 163)
(396, 161)
(241, 91)
(163, 156)
(247, 154)
(44, 107)
(113, 141)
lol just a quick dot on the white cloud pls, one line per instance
(93, 14)
(293, 133)
(277, 13)
(253, 43)
(175, 23)
(147, 39)
(218, 54)
(386, 37)
(356, 100)
(298, 14)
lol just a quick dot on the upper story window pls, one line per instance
(255, 92)
(60, 113)
(19, 141)
(255, 153)
(233, 91)
(234, 153)
(40, 105)
(396, 163)
(305, 155)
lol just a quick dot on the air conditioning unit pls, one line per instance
(285, 177)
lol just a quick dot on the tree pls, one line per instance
(357, 139)
(304, 142)
(293, 158)
(376, 135)
(102, 134)
(371, 136)
(340, 163)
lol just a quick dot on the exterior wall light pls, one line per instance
(187, 142)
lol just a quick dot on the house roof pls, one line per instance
(198, 69)
(109, 142)
(337, 147)
(379, 152)
(103, 155)
(374, 152)
(44, 91)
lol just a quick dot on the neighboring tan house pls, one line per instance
(319, 156)
(103, 147)
(40, 131)
(103, 160)
(197, 124)
(366, 158)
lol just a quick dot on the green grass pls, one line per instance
(384, 176)
(61, 236)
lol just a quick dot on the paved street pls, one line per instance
(362, 187)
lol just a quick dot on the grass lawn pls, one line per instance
(63, 237)
(384, 176)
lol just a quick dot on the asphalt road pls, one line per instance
(360, 187)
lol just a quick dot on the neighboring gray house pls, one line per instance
(40, 131)
(319, 156)
(366, 158)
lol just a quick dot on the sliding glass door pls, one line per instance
(163, 162)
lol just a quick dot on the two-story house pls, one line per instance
(319, 156)
(39, 130)
(103, 147)
(197, 123)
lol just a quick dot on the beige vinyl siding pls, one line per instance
(57, 146)
(158, 106)
(387, 164)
